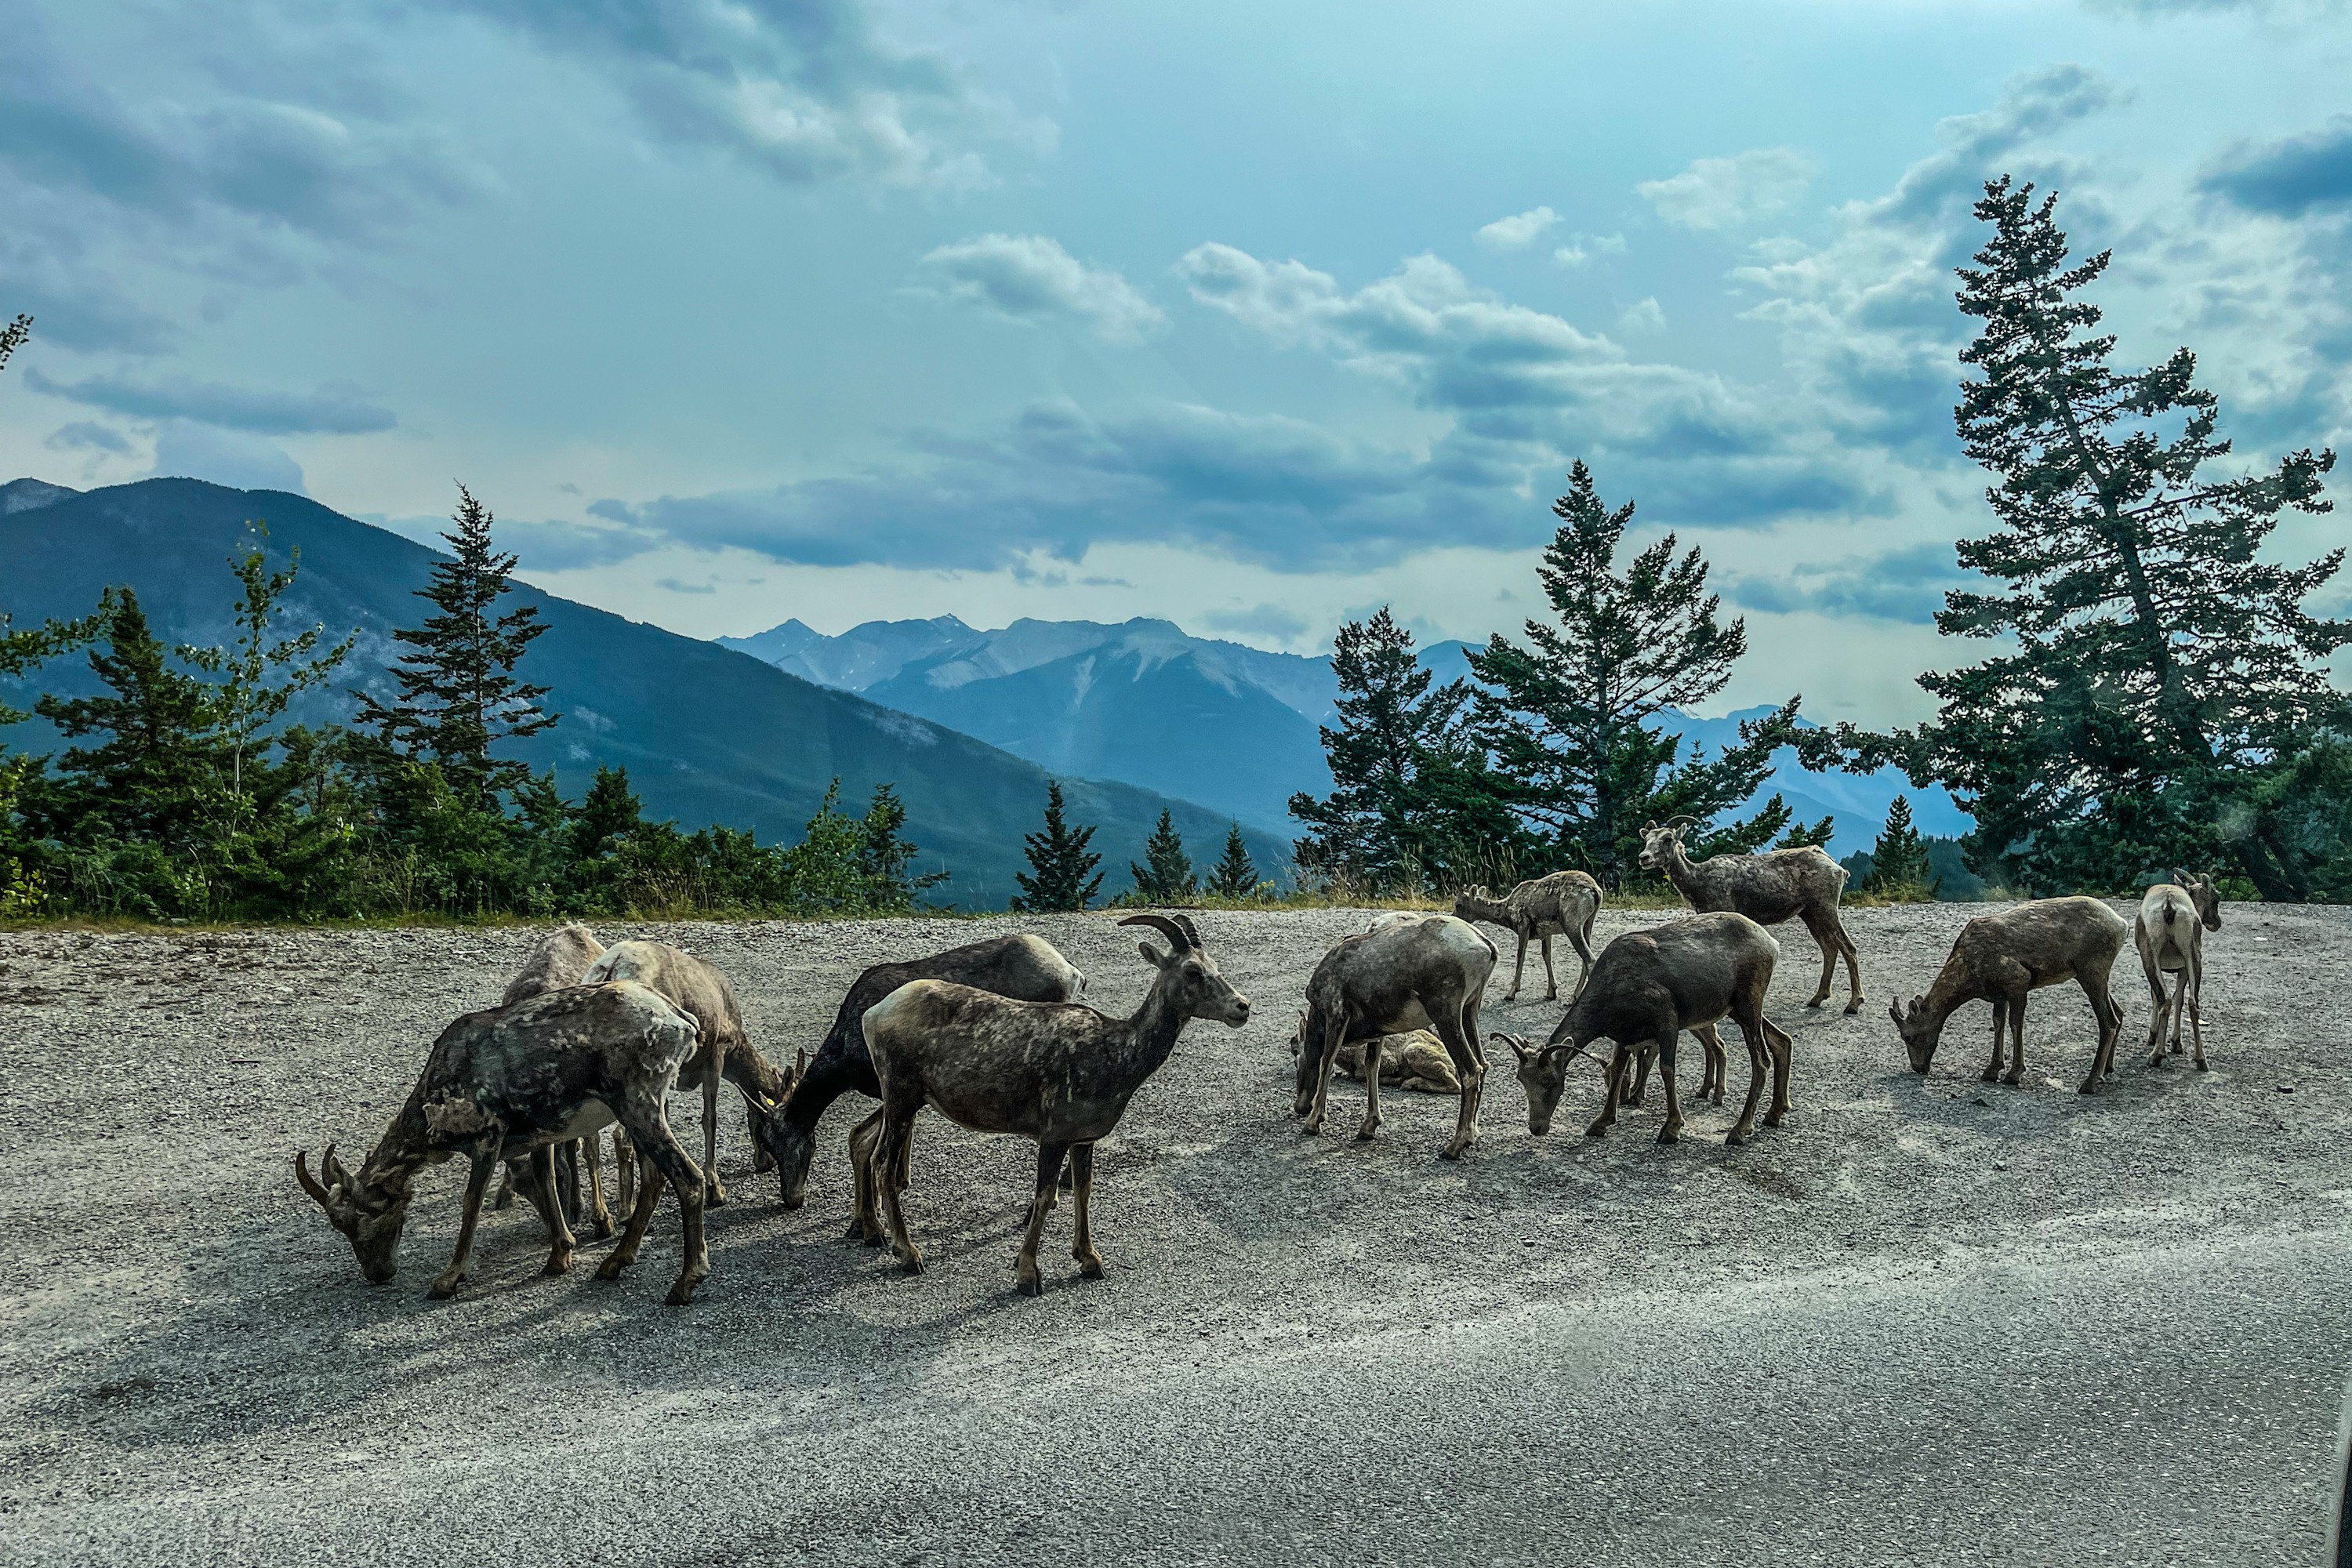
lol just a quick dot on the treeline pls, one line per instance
(2159, 695)
(182, 794)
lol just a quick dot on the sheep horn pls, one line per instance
(1191, 934)
(310, 1183)
(1165, 927)
(1675, 823)
(1519, 1047)
(332, 1169)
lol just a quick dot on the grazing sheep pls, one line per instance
(2170, 935)
(559, 959)
(1999, 958)
(1768, 888)
(1647, 987)
(1562, 904)
(1026, 968)
(727, 1050)
(1408, 972)
(508, 1083)
(1417, 1060)
(1059, 1073)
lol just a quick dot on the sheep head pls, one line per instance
(370, 1218)
(1920, 1029)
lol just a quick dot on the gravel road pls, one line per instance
(1929, 1320)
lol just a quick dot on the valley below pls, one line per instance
(1928, 1320)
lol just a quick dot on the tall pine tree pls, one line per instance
(2162, 668)
(156, 774)
(1061, 874)
(1573, 717)
(458, 695)
(262, 674)
(1234, 873)
(1166, 875)
(1411, 800)
(1898, 861)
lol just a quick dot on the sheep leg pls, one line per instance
(564, 1159)
(2000, 1020)
(1672, 1133)
(1641, 1090)
(1371, 1090)
(1710, 1086)
(1518, 969)
(2156, 1004)
(1551, 981)
(1082, 1176)
(548, 1199)
(649, 1128)
(2193, 982)
(1752, 1035)
(1470, 1064)
(1620, 1062)
(1828, 945)
(2016, 1072)
(505, 1200)
(1784, 1052)
(864, 1219)
(897, 1126)
(632, 1235)
(445, 1283)
(1853, 965)
(1335, 1034)
(625, 1171)
(2111, 1027)
(1049, 1170)
(755, 1119)
(714, 1190)
(1581, 941)
(598, 1213)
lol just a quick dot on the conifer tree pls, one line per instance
(1234, 873)
(1898, 861)
(886, 859)
(1166, 876)
(1805, 835)
(1571, 717)
(608, 814)
(1061, 874)
(2163, 668)
(156, 772)
(262, 677)
(12, 338)
(1410, 796)
(458, 695)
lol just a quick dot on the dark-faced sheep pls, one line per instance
(2170, 932)
(2002, 958)
(1647, 987)
(1060, 1074)
(1426, 972)
(1779, 885)
(1562, 904)
(507, 1084)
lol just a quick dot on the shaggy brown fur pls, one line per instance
(2001, 958)
(2169, 933)
(1782, 884)
(1562, 904)
(1407, 973)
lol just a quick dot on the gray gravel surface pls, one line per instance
(1928, 1320)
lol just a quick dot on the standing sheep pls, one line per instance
(1805, 884)
(1562, 904)
(2170, 935)
(2001, 958)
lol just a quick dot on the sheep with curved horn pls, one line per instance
(1059, 1073)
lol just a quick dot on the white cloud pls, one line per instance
(1643, 316)
(1585, 246)
(1520, 231)
(1727, 193)
(1029, 277)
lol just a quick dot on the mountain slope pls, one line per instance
(707, 735)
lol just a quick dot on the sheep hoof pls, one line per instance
(680, 1294)
(1670, 1135)
(1771, 1119)
(714, 1196)
(610, 1268)
(1854, 1006)
(1030, 1284)
(445, 1286)
(912, 1263)
(1817, 1001)
(558, 1263)
(1364, 1133)
(1090, 1268)
(1736, 1137)
(2201, 1067)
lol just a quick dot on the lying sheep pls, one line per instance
(1416, 1059)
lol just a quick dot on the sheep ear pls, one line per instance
(1894, 1012)
(1649, 827)
(1152, 955)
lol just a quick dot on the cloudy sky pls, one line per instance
(1248, 316)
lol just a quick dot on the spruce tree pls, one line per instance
(12, 338)
(1571, 718)
(156, 774)
(1411, 799)
(1898, 861)
(2163, 669)
(609, 814)
(262, 676)
(886, 859)
(458, 695)
(1061, 874)
(1806, 835)
(1166, 875)
(1234, 874)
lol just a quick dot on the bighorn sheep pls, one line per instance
(1647, 987)
(727, 1050)
(1059, 1073)
(1023, 968)
(1562, 904)
(559, 959)
(1405, 973)
(508, 1083)
(1768, 888)
(1999, 958)
(1416, 1059)
(2170, 935)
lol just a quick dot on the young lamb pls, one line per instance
(2170, 935)
(1647, 987)
(1781, 884)
(1417, 1060)
(507, 1084)
(1562, 904)
(1999, 958)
